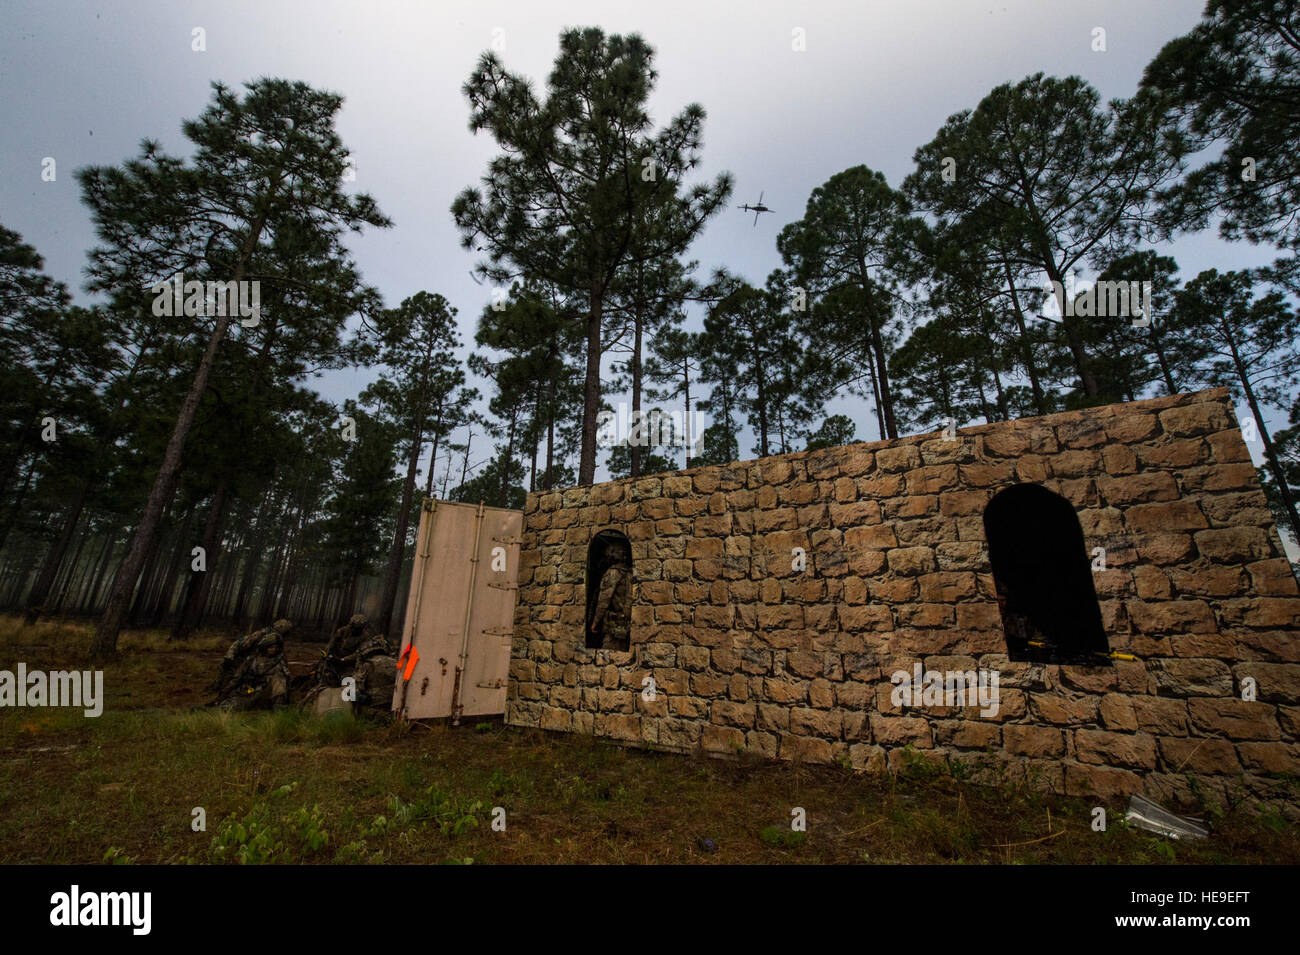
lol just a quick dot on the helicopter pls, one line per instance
(758, 208)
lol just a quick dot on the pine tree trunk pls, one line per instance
(875, 393)
(535, 439)
(322, 598)
(729, 416)
(275, 578)
(292, 563)
(229, 563)
(464, 464)
(1077, 351)
(686, 388)
(393, 572)
(548, 479)
(21, 493)
(1158, 346)
(97, 583)
(886, 397)
(1002, 397)
(148, 578)
(508, 462)
(635, 449)
(70, 575)
(1270, 453)
(56, 553)
(984, 403)
(591, 389)
(200, 583)
(762, 395)
(1031, 369)
(348, 602)
(162, 602)
(91, 582)
(433, 454)
(50, 567)
(240, 611)
(104, 643)
(878, 347)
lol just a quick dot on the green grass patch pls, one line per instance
(288, 787)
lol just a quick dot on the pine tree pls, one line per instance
(1132, 358)
(834, 431)
(675, 362)
(582, 190)
(1234, 81)
(846, 245)
(266, 172)
(358, 522)
(1251, 346)
(751, 338)
(1055, 177)
(415, 343)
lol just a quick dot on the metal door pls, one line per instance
(460, 612)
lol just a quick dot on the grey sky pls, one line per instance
(84, 82)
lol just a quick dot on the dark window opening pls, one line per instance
(609, 591)
(1043, 578)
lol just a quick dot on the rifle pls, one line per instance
(1105, 654)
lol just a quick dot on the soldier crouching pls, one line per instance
(254, 673)
(376, 675)
(356, 652)
(339, 658)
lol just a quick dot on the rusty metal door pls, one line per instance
(460, 612)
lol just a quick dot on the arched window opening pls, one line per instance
(1043, 578)
(609, 591)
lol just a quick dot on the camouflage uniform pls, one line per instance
(254, 673)
(376, 674)
(1024, 640)
(613, 608)
(341, 653)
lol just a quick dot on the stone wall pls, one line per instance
(748, 653)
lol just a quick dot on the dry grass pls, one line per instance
(287, 787)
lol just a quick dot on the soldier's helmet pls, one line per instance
(282, 626)
(357, 621)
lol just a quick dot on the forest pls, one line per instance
(180, 470)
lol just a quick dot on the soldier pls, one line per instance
(611, 617)
(376, 674)
(254, 673)
(340, 655)
(1024, 640)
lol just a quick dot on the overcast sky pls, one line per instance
(85, 82)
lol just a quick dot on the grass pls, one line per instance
(288, 787)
